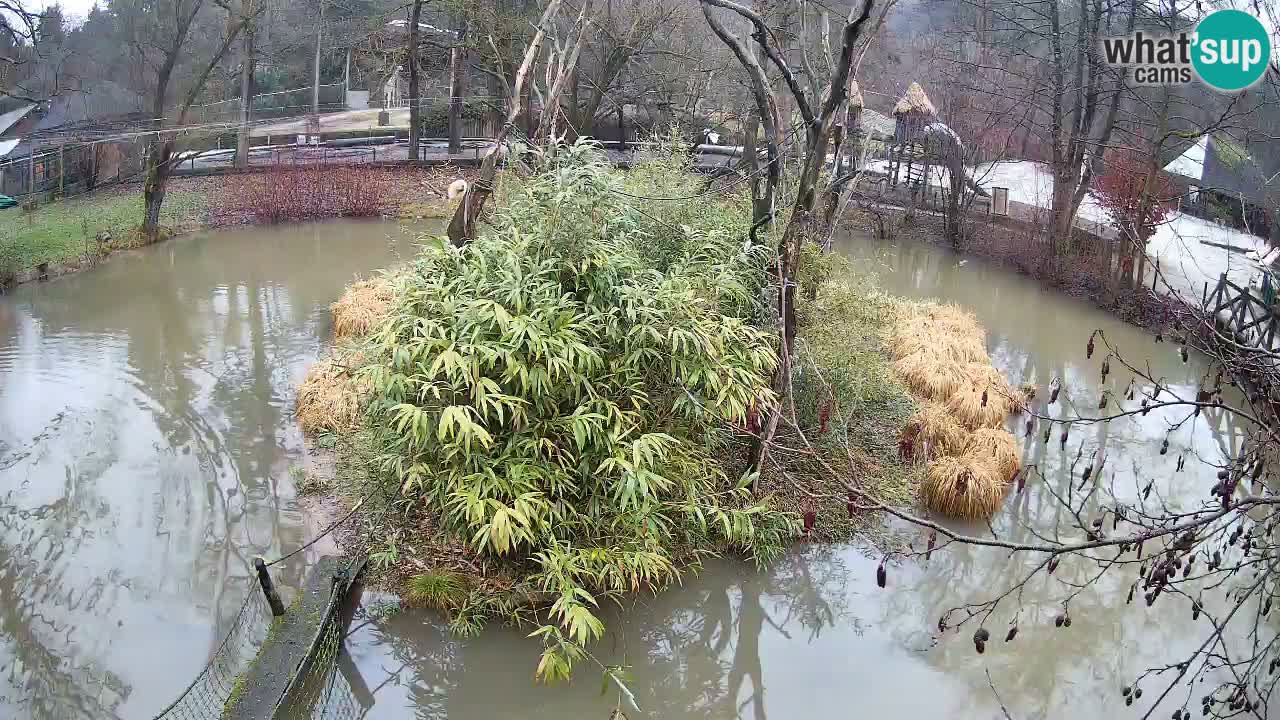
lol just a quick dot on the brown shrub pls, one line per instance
(308, 192)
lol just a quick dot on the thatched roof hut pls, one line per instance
(912, 114)
(855, 95)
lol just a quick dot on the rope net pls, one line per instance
(208, 695)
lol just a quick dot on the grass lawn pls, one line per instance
(63, 231)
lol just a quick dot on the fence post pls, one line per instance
(268, 587)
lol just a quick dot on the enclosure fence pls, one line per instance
(207, 697)
(324, 685)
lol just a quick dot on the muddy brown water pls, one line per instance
(145, 447)
(146, 439)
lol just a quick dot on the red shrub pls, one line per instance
(1137, 197)
(291, 194)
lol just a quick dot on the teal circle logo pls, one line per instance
(1232, 50)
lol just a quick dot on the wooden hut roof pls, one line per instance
(914, 100)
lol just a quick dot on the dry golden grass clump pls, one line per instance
(941, 357)
(997, 447)
(329, 398)
(933, 427)
(364, 304)
(927, 376)
(977, 407)
(944, 332)
(965, 487)
(922, 338)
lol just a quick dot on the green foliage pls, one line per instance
(439, 589)
(561, 395)
(848, 402)
(841, 345)
(1231, 153)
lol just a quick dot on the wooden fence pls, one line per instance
(1251, 315)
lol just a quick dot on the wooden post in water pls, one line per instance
(268, 587)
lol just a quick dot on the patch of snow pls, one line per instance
(1031, 183)
(1187, 262)
(421, 26)
(1190, 163)
(941, 128)
(7, 146)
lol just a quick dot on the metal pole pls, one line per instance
(268, 587)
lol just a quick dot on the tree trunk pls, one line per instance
(462, 226)
(577, 125)
(415, 112)
(1062, 211)
(246, 99)
(455, 98)
(526, 111)
(153, 189)
(315, 90)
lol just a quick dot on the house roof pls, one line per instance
(876, 124)
(1190, 164)
(7, 146)
(103, 101)
(1228, 168)
(11, 118)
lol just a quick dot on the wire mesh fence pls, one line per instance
(323, 687)
(207, 696)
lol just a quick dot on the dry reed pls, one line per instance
(935, 427)
(329, 398)
(928, 377)
(964, 487)
(941, 357)
(996, 447)
(976, 408)
(362, 307)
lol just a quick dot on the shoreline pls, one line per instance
(419, 196)
(997, 245)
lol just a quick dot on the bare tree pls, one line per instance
(818, 108)
(248, 63)
(412, 49)
(166, 39)
(462, 225)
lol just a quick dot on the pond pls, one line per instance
(146, 440)
(813, 636)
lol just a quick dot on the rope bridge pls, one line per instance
(284, 664)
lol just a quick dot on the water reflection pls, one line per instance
(814, 637)
(701, 652)
(145, 441)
